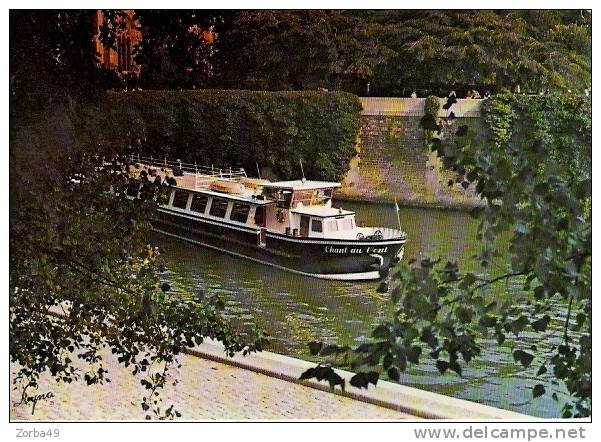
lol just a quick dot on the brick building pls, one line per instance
(121, 57)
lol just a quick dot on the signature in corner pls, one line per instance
(26, 398)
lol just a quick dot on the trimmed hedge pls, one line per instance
(237, 128)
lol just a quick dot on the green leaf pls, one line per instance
(381, 332)
(387, 361)
(541, 324)
(488, 321)
(413, 354)
(395, 294)
(442, 366)
(523, 357)
(540, 292)
(467, 281)
(518, 325)
(464, 314)
(315, 347)
(394, 374)
(538, 390)
(329, 350)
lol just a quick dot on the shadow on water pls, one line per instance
(294, 309)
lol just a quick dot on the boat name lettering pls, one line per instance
(359, 250)
(377, 249)
(342, 250)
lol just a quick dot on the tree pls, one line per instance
(51, 54)
(396, 52)
(76, 241)
(278, 50)
(535, 175)
(401, 51)
(537, 50)
(176, 49)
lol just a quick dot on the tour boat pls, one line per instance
(289, 225)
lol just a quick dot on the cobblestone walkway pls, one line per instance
(207, 391)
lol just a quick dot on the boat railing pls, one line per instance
(379, 233)
(193, 175)
(192, 168)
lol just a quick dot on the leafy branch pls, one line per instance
(534, 174)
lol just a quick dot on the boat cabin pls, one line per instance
(219, 206)
(301, 208)
(304, 208)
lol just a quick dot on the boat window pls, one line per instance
(260, 216)
(312, 197)
(332, 225)
(199, 203)
(303, 196)
(316, 225)
(180, 199)
(323, 196)
(347, 224)
(240, 212)
(284, 199)
(219, 207)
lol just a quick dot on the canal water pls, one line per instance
(295, 310)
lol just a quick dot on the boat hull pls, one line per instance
(319, 258)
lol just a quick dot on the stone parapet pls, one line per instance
(414, 107)
(407, 400)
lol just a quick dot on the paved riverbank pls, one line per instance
(207, 391)
(263, 386)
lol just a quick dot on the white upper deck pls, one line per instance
(302, 185)
(321, 211)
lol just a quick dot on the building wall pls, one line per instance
(393, 161)
(120, 57)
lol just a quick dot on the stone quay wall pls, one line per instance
(393, 161)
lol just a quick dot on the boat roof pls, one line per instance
(301, 185)
(228, 196)
(322, 211)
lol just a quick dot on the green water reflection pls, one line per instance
(294, 309)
